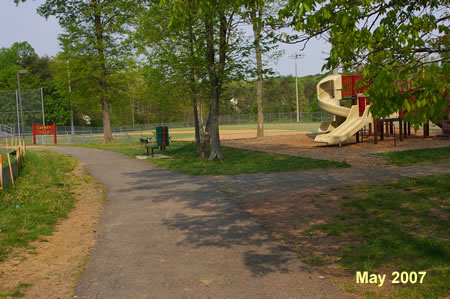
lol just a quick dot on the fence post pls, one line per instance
(10, 169)
(1, 172)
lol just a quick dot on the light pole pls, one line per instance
(295, 56)
(20, 101)
(70, 92)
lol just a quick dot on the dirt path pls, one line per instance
(167, 235)
(53, 267)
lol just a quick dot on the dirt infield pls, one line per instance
(249, 133)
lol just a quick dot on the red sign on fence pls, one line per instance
(44, 130)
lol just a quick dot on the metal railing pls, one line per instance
(6, 131)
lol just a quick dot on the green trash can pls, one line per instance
(162, 136)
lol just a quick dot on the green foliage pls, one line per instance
(39, 198)
(56, 107)
(278, 96)
(40, 74)
(21, 56)
(396, 41)
(96, 39)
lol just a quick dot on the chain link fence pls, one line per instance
(131, 133)
(32, 109)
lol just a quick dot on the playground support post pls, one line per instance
(400, 129)
(393, 126)
(405, 129)
(375, 128)
(426, 129)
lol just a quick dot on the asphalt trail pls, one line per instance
(168, 235)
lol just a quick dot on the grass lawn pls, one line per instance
(40, 197)
(409, 157)
(237, 161)
(403, 226)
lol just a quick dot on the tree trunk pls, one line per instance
(201, 136)
(107, 137)
(212, 126)
(256, 18)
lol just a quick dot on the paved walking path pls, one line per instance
(168, 235)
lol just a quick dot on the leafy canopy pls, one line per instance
(395, 41)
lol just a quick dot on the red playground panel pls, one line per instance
(350, 84)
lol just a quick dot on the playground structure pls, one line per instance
(350, 121)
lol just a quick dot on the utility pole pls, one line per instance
(295, 56)
(20, 100)
(72, 129)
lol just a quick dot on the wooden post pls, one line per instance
(10, 170)
(54, 132)
(426, 130)
(1, 171)
(375, 129)
(19, 162)
(34, 134)
(405, 129)
(370, 130)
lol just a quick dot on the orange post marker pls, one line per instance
(1, 172)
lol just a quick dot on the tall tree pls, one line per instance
(175, 71)
(258, 13)
(395, 41)
(19, 56)
(220, 56)
(98, 30)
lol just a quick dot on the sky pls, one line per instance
(22, 23)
